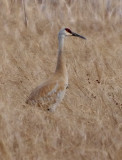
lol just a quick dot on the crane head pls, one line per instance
(70, 33)
(67, 32)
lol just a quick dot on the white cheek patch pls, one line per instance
(68, 34)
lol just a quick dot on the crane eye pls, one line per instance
(68, 30)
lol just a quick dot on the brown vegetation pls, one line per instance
(88, 123)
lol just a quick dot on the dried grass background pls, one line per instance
(88, 123)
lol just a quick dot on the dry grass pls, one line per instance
(88, 123)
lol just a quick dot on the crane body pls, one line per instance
(50, 93)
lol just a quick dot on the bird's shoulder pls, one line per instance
(48, 88)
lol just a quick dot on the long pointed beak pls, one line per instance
(77, 35)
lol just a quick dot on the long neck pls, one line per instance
(61, 64)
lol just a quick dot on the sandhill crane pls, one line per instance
(50, 93)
